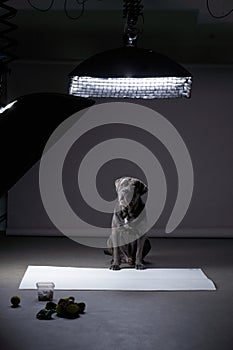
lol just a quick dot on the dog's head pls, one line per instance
(129, 190)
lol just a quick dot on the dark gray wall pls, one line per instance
(205, 122)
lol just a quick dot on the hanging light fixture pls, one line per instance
(130, 72)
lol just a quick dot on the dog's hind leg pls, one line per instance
(146, 248)
(116, 254)
(109, 249)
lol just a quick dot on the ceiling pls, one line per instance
(182, 29)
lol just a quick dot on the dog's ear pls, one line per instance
(141, 187)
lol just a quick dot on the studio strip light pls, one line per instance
(144, 88)
(129, 71)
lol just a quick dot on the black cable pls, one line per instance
(82, 3)
(79, 3)
(215, 16)
(39, 9)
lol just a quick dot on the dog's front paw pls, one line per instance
(139, 266)
(115, 267)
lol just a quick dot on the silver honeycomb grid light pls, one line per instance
(130, 72)
(145, 88)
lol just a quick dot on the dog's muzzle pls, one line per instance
(126, 199)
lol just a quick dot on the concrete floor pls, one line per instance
(119, 320)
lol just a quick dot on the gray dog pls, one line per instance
(127, 243)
